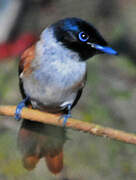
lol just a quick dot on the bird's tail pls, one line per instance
(37, 140)
(55, 161)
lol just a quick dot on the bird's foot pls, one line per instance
(19, 108)
(67, 116)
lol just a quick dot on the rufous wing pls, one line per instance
(25, 61)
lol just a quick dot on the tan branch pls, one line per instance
(53, 119)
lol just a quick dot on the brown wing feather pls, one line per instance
(24, 66)
(26, 59)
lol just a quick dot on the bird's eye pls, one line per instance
(83, 36)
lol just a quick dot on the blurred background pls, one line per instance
(109, 98)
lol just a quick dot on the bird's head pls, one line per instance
(81, 37)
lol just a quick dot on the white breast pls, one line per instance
(56, 71)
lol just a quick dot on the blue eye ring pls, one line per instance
(83, 36)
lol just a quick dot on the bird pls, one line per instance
(52, 75)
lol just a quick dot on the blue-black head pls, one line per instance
(81, 37)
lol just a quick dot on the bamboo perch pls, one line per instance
(53, 119)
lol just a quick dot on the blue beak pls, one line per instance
(104, 49)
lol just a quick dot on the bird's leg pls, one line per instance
(68, 115)
(19, 108)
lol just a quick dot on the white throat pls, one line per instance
(49, 46)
